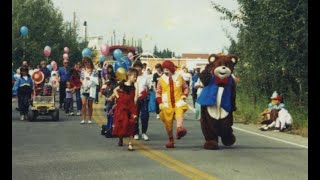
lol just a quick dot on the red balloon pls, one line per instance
(66, 50)
(104, 49)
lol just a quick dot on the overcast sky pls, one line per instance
(183, 26)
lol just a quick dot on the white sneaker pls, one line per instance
(21, 117)
(78, 113)
(82, 122)
(89, 122)
(71, 114)
(158, 116)
(145, 137)
(136, 137)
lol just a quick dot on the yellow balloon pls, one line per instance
(121, 74)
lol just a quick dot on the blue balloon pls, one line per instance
(127, 61)
(24, 31)
(86, 52)
(120, 64)
(49, 67)
(102, 58)
(117, 54)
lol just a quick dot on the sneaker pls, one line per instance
(158, 116)
(145, 137)
(82, 122)
(89, 122)
(22, 117)
(71, 114)
(78, 113)
(136, 137)
(25, 117)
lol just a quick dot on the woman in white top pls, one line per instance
(186, 76)
(89, 80)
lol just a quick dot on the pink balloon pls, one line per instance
(54, 65)
(46, 52)
(66, 50)
(104, 49)
(65, 56)
(130, 55)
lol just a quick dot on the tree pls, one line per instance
(273, 43)
(46, 27)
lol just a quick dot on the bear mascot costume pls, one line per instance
(218, 100)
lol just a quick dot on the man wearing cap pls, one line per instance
(64, 76)
(172, 91)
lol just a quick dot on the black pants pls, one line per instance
(68, 105)
(143, 114)
(62, 93)
(157, 108)
(24, 99)
(194, 96)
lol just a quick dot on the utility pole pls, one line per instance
(85, 31)
(114, 37)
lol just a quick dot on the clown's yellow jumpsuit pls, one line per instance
(172, 104)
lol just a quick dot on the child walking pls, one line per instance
(69, 99)
(23, 86)
(125, 115)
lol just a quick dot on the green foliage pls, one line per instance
(46, 27)
(273, 47)
(272, 44)
(249, 112)
(166, 53)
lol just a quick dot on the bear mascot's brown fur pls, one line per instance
(218, 100)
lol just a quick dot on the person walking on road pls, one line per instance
(64, 76)
(24, 86)
(125, 115)
(143, 85)
(155, 80)
(172, 91)
(89, 80)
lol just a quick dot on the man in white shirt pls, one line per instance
(143, 86)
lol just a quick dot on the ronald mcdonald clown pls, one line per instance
(172, 91)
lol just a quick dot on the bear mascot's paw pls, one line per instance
(211, 144)
(181, 132)
(228, 140)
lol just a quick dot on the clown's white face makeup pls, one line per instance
(167, 72)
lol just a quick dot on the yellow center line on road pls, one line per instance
(164, 159)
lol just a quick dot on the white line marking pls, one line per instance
(271, 137)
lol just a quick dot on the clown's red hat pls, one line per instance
(169, 65)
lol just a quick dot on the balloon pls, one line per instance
(121, 74)
(65, 56)
(49, 67)
(130, 55)
(86, 52)
(104, 49)
(24, 31)
(102, 58)
(66, 50)
(120, 64)
(54, 65)
(117, 54)
(127, 61)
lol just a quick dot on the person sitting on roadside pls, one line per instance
(276, 103)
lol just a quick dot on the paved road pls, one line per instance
(67, 150)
